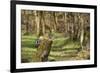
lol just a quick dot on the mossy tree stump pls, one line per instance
(43, 50)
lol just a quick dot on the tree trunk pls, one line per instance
(55, 22)
(37, 21)
(82, 31)
(44, 50)
(66, 24)
(43, 22)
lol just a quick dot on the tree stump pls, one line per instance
(43, 50)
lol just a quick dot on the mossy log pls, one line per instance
(43, 50)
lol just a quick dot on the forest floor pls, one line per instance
(62, 49)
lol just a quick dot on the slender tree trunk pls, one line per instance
(82, 32)
(55, 22)
(66, 24)
(43, 23)
(27, 24)
(37, 21)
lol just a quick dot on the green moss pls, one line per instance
(62, 49)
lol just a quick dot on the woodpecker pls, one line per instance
(38, 41)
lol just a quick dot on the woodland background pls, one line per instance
(70, 32)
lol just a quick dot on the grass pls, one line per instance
(62, 49)
(28, 41)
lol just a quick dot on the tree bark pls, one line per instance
(37, 21)
(44, 49)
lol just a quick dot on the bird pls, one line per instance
(38, 41)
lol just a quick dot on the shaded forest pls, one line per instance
(69, 32)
